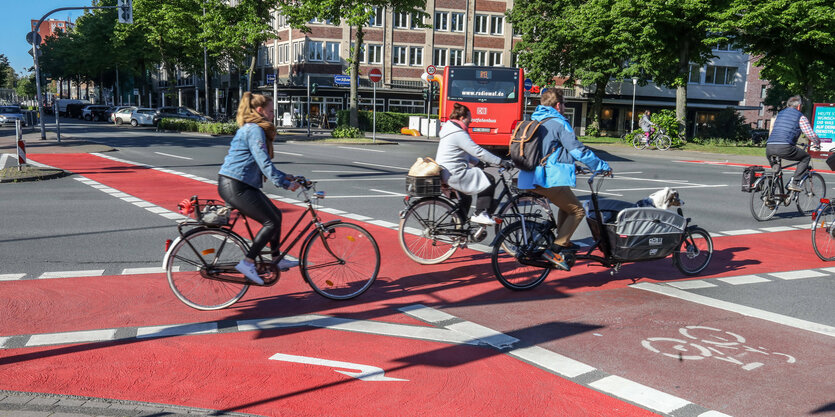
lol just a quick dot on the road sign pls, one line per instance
(528, 84)
(342, 80)
(270, 79)
(125, 12)
(136, 91)
(375, 75)
(430, 70)
(40, 52)
(33, 35)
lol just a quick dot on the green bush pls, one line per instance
(714, 141)
(666, 119)
(592, 130)
(387, 122)
(186, 125)
(347, 132)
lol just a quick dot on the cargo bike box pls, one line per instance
(637, 233)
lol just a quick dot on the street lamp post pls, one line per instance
(632, 122)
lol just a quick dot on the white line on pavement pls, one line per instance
(740, 232)
(381, 166)
(744, 279)
(172, 156)
(736, 308)
(288, 153)
(11, 277)
(71, 337)
(72, 274)
(798, 274)
(176, 330)
(148, 270)
(361, 149)
(691, 285)
(387, 192)
(641, 394)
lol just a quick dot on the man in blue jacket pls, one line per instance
(782, 141)
(555, 179)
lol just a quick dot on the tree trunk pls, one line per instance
(681, 88)
(251, 71)
(355, 80)
(597, 105)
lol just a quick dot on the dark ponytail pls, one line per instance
(459, 111)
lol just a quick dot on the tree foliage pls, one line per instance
(4, 70)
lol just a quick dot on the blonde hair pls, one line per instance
(246, 109)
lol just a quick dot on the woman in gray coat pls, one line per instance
(457, 154)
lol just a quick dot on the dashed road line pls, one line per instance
(11, 277)
(744, 279)
(691, 284)
(361, 149)
(639, 393)
(808, 273)
(173, 156)
(72, 274)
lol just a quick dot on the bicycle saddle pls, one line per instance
(775, 162)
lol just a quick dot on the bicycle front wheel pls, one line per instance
(814, 188)
(823, 234)
(663, 142)
(695, 251)
(515, 245)
(198, 265)
(639, 141)
(763, 203)
(341, 261)
(534, 207)
(424, 231)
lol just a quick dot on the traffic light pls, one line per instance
(125, 11)
(426, 94)
(313, 88)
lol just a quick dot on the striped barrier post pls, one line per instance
(21, 147)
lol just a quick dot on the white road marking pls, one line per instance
(798, 274)
(551, 361)
(387, 192)
(172, 156)
(332, 210)
(676, 186)
(690, 285)
(384, 223)
(399, 178)
(744, 279)
(487, 335)
(354, 216)
(11, 277)
(366, 372)
(148, 270)
(736, 308)
(640, 394)
(713, 413)
(342, 172)
(830, 269)
(288, 153)
(778, 229)
(381, 166)
(361, 149)
(72, 274)
(71, 337)
(176, 330)
(740, 232)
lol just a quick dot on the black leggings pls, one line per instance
(484, 200)
(252, 203)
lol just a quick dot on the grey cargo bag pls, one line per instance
(642, 233)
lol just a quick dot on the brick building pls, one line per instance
(755, 90)
(50, 27)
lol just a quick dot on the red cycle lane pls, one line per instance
(568, 314)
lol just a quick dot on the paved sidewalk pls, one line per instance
(27, 404)
(9, 171)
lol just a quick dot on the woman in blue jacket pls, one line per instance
(247, 165)
(555, 179)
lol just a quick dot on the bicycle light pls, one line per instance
(824, 201)
(167, 244)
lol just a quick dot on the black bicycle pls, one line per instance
(657, 137)
(622, 233)
(338, 260)
(432, 229)
(769, 191)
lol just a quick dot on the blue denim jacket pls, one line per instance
(248, 159)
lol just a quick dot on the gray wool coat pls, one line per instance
(456, 154)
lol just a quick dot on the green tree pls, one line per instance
(4, 70)
(26, 87)
(356, 13)
(793, 40)
(588, 41)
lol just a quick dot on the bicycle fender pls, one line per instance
(315, 230)
(412, 202)
(168, 252)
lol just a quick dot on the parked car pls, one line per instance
(122, 115)
(174, 112)
(8, 114)
(66, 107)
(94, 112)
(144, 117)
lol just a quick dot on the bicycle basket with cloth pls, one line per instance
(424, 178)
(209, 212)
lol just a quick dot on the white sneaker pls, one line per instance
(249, 271)
(483, 218)
(286, 264)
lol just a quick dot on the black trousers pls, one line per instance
(484, 200)
(253, 204)
(791, 153)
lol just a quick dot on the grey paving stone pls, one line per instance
(96, 404)
(59, 414)
(120, 406)
(17, 399)
(69, 402)
(45, 401)
(26, 413)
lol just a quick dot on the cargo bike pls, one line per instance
(622, 233)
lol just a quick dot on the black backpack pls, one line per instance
(526, 145)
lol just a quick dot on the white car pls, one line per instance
(144, 117)
(122, 115)
(8, 114)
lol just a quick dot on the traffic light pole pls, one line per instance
(308, 106)
(35, 42)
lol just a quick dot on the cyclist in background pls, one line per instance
(457, 154)
(247, 165)
(646, 125)
(782, 141)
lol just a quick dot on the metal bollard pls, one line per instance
(58, 127)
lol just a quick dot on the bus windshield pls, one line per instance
(483, 85)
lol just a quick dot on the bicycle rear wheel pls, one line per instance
(695, 251)
(198, 264)
(341, 261)
(814, 188)
(663, 142)
(515, 244)
(823, 234)
(763, 204)
(639, 141)
(424, 231)
(534, 207)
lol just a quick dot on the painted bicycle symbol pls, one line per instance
(715, 343)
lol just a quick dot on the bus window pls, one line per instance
(475, 85)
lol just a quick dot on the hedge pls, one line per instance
(387, 122)
(186, 125)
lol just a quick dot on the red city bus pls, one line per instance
(494, 95)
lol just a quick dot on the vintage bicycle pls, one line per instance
(339, 260)
(431, 226)
(768, 191)
(622, 233)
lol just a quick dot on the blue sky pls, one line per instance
(15, 19)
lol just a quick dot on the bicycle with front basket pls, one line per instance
(769, 191)
(338, 260)
(432, 228)
(517, 251)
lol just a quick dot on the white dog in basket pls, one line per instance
(664, 198)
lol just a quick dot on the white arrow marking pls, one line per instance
(366, 372)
